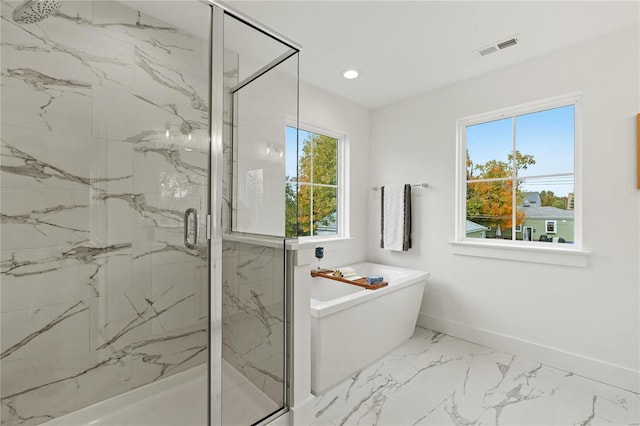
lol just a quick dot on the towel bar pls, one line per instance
(423, 185)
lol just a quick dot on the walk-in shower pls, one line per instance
(123, 131)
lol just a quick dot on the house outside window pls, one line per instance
(315, 199)
(516, 170)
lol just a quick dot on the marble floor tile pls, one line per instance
(475, 386)
(435, 379)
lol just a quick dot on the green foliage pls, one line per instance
(498, 169)
(548, 198)
(317, 164)
(291, 209)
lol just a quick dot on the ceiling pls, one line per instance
(404, 48)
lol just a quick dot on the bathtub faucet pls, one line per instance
(319, 255)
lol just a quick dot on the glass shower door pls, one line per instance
(104, 197)
(261, 98)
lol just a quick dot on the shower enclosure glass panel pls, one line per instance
(262, 105)
(261, 98)
(253, 331)
(105, 149)
(252, 48)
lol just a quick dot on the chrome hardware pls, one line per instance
(194, 213)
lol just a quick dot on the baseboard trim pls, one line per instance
(601, 371)
(303, 413)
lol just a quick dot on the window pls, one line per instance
(517, 172)
(314, 181)
(550, 226)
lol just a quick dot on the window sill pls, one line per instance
(312, 242)
(555, 255)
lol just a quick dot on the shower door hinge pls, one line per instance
(208, 226)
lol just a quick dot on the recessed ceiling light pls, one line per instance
(350, 74)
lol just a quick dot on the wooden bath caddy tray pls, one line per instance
(360, 282)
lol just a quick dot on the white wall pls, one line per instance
(582, 319)
(320, 109)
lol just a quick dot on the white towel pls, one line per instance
(347, 270)
(396, 217)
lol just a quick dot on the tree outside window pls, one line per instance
(490, 200)
(520, 172)
(312, 195)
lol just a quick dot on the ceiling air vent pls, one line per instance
(488, 50)
(507, 43)
(512, 41)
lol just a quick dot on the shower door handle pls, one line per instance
(187, 242)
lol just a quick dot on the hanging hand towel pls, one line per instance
(396, 217)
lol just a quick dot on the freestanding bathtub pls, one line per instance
(351, 326)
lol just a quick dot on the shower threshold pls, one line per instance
(177, 400)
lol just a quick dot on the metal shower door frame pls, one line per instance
(216, 205)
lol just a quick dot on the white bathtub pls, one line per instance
(351, 326)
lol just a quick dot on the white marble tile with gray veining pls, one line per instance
(104, 145)
(37, 218)
(52, 74)
(253, 326)
(435, 379)
(38, 390)
(45, 160)
(171, 170)
(154, 36)
(36, 270)
(56, 331)
(49, 70)
(169, 353)
(47, 390)
(173, 82)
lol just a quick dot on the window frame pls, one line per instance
(533, 251)
(555, 226)
(342, 189)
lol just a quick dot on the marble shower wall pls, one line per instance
(104, 138)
